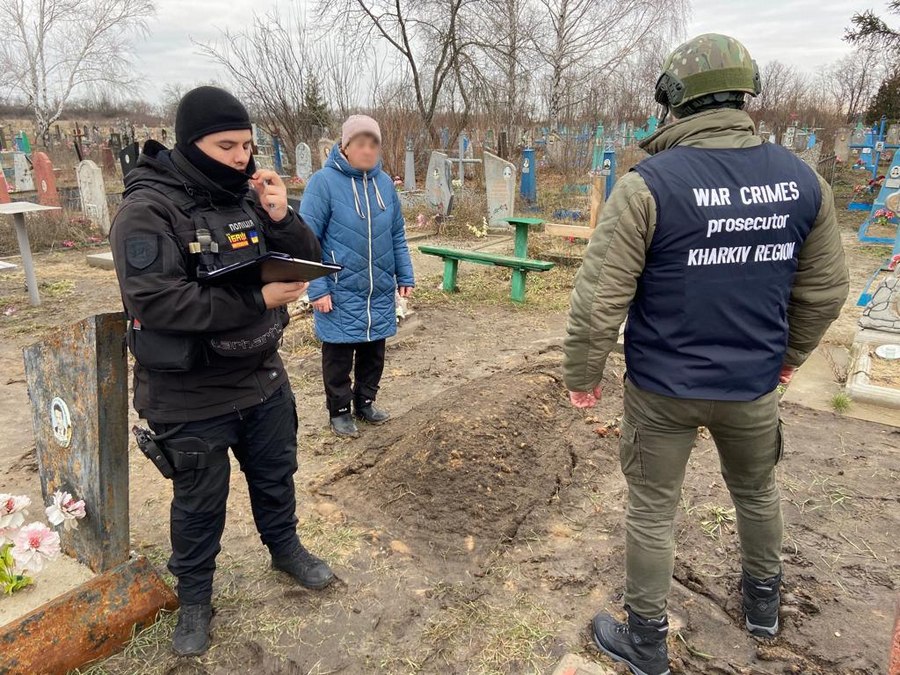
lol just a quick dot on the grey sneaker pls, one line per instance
(640, 643)
(762, 600)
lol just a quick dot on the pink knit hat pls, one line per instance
(359, 124)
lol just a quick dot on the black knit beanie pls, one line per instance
(208, 110)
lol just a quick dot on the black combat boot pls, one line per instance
(367, 412)
(191, 636)
(306, 569)
(640, 643)
(342, 423)
(762, 600)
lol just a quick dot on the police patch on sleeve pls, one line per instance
(141, 250)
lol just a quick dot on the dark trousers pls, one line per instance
(337, 366)
(264, 441)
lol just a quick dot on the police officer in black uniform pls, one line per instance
(207, 374)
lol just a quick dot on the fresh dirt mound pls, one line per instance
(464, 471)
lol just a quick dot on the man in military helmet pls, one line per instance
(724, 253)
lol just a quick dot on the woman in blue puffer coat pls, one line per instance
(353, 208)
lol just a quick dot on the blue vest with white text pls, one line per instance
(709, 318)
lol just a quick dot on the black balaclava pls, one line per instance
(208, 110)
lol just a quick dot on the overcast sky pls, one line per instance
(806, 33)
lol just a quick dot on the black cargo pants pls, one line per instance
(264, 441)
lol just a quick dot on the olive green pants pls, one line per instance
(658, 433)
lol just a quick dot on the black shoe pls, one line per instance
(762, 600)
(191, 636)
(367, 412)
(640, 643)
(306, 569)
(344, 426)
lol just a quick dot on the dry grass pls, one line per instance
(496, 639)
(545, 291)
(46, 232)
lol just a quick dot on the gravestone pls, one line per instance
(438, 192)
(4, 190)
(503, 148)
(788, 139)
(529, 177)
(77, 384)
(858, 137)
(277, 156)
(445, 138)
(893, 135)
(303, 161)
(128, 157)
(324, 147)
(500, 185)
(109, 161)
(265, 162)
(93, 194)
(24, 177)
(115, 143)
(490, 143)
(882, 312)
(45, 180)
(842, 144)
(409, 179)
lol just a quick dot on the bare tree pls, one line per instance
(51, 49)
(784, 95)
(505, 33)
(851, 81)
(428, 37)
(584, 36)
(270, 62)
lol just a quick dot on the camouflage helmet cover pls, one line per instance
(707, 64)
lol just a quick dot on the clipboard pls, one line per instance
(267, 268)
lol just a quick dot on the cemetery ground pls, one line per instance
(481, 529)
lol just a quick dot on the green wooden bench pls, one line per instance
(520, 266)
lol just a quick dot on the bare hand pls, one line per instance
(323, 304)
(787, 374)
(272, 193)
(585, 399)
(406, 291)
(279, 293)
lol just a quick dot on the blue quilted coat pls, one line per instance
(357, 217)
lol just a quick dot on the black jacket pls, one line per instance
(165, 197)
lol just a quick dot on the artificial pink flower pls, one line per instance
(65, 510)
(12, 510)
(34, 544)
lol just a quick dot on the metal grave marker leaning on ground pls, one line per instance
(78, 386)
(77, 383)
